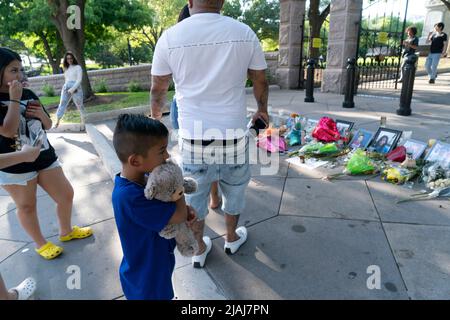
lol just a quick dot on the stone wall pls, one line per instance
(272, 64)
(117, 79)
(291, 29)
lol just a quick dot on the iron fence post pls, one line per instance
(309, 92)
(350, 87)
(409, 73)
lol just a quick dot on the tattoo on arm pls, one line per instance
(260, 88)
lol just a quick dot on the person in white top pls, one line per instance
(209, 57)
(73, 74)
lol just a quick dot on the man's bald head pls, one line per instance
(197, 6)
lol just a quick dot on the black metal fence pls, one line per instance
(318, 72)
(378, 72)
(380, 46)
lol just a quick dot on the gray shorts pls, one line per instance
(22, 179)
(233, 175)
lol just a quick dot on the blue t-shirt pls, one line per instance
(148, 259)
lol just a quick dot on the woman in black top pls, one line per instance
(22, 122)
(438, 50)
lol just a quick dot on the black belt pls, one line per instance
(205, 143)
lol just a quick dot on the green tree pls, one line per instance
(95, 18)
(233, 9)
(263, 16)
(30, 21)
(165, 15)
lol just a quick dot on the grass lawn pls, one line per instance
(103, 102)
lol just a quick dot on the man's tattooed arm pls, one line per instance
(160, 85)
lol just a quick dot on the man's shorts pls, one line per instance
(229, 165)
(22, 179)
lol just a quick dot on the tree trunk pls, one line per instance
(314, 33)
(74, 40)
(52, 60)
(316, 20)
(153, 37)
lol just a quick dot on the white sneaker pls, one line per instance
(232, 247)
(199, 261)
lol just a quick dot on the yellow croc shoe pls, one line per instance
(49, 251)
(77, 233)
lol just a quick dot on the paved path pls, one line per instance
(308, 238)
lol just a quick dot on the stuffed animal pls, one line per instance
(166, 183)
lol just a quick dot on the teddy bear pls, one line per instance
(166, 183)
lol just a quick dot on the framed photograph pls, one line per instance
(440, 152)
(361, 139)
(344, 127)
(415, 148)
(385, 140)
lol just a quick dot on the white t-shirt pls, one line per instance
(208, 56)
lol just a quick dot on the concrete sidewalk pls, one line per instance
(437, 93)
(308, 238)
(311, 239)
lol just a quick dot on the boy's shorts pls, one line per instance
(227, 165)
(22, 179)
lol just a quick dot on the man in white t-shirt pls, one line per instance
(210, 57)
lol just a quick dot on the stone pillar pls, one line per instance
(345, 16)
(290, 42)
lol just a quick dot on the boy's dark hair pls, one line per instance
(413, 30)
(184, 13)
(440, 25)
(136, 134)
(6, 57)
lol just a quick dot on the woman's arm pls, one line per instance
(12, 118)
(45, 119)
(27, 154)
(444, 51)
(37, 111)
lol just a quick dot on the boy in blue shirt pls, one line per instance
(148, 259)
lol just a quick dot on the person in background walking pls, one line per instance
(73, 74)
(438, 50)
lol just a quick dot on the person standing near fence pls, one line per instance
(410, 46)
(438, 50)
(73, 74)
